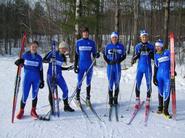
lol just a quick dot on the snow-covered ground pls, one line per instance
(74, 125)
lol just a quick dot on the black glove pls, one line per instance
(19, 61)
(70, 67)
(175, 73)
(144, 48)
(155, 75)
(97, 55)
(151, 54)
(155, 82)
(76, 69)
(41, 85)
(133, 61)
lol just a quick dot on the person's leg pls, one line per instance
(50, 98)
(148, 76)
(80, 77)
(160, 95)
(35, 89)
(88, 83)
(63, 86)
(110, 76)
(117, 82)
(166, 97)
(139, 77)
(26, 89)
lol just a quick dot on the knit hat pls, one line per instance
(63, 44)
(114, 34)
(143, 32)
(159, 43)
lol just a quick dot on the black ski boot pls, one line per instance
(166, 113)
(160, 107)
(78, 94)
(50, 100)
(67, 108)
(88, 89)
(116, 96)
(111, 98)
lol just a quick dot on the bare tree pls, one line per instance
(166, 22)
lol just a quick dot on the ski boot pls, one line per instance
(20, 114)
(137, 104)
(88, 89)
(147, 104)
(110, 98)
(67, 108)
(116, 96)
(78, 96)
(166, 113)
(34, 113)
(160, 107)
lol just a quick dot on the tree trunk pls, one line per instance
(136, 17)
(117, 14)
(166, 22)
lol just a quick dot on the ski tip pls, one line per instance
(171, 35)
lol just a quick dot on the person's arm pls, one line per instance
(155, 71)
(123, 57)
(41, 85)
(136, 55)
(47, 57)
(76, 59)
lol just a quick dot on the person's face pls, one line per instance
(63, 50)
(158, 48)
(85, 34)
(144, 38)
(114, 40)
(33, 48)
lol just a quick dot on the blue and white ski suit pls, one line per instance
(85, 49)
(144, 53)
(32, 68)
(162, 63)
(59, 78)
(113, 55)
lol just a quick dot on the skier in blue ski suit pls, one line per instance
(161, 77)
(114, 53)
(33, 77)
(85, 49)
(144, 52)
(60, 59)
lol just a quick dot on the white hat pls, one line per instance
(159, 43)
(63, 44)
(143, 32)
(114, 34)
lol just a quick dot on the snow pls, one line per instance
(74, 125)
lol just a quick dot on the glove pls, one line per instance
(175, 73)
(19, 61)
(41, 85)
(70, 67)
(144, 48)
(76, 69)
(151, 54)
(155, 81)
(133, 61)
(97, 55)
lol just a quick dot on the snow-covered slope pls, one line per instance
(74, 125)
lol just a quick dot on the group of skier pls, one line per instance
(85, 54)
